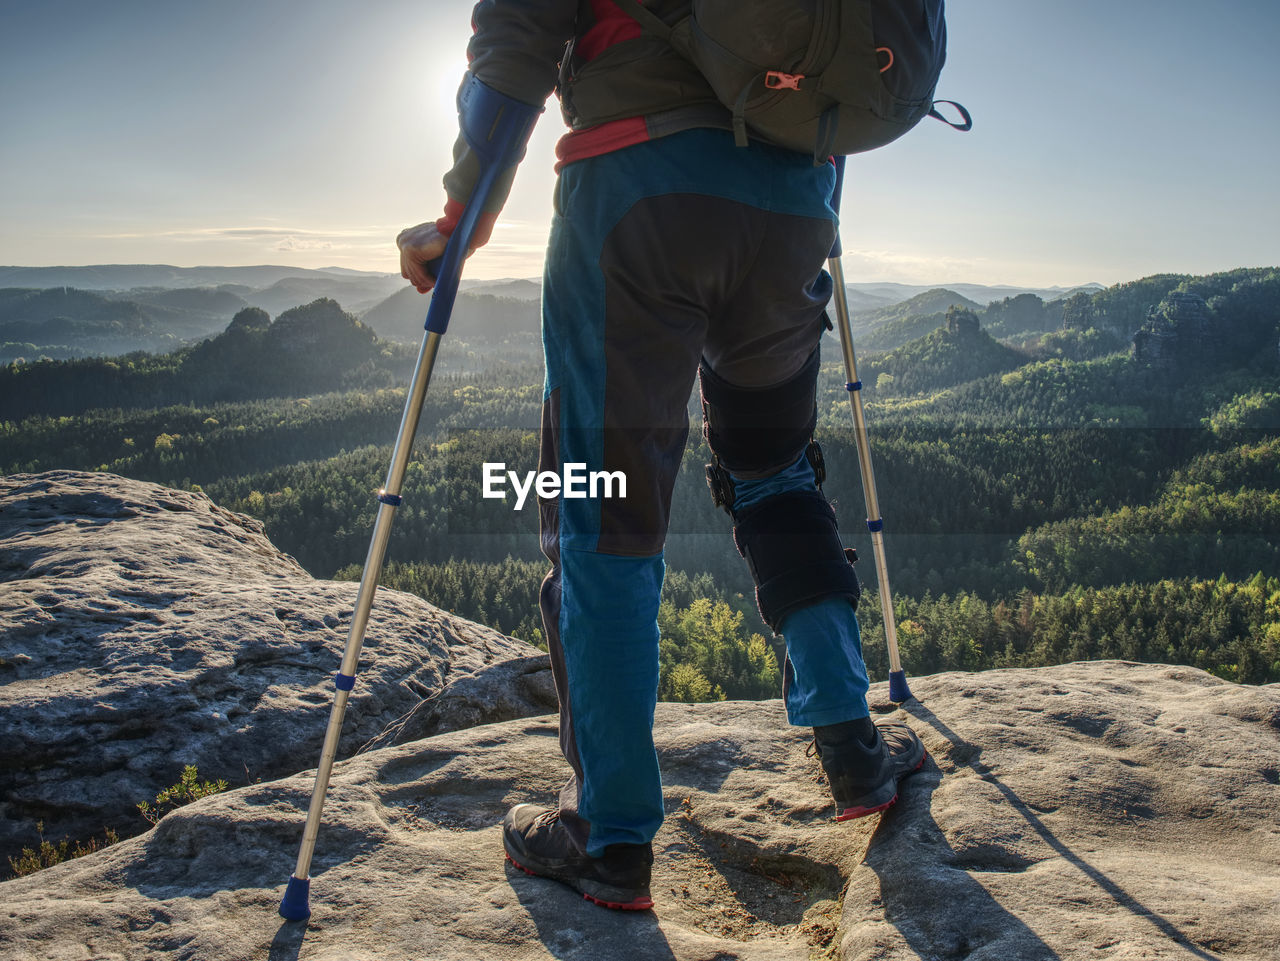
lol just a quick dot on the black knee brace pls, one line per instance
(793, 549)
(757, 430)
(790, 541)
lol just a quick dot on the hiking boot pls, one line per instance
(538, 844)
(864, 763)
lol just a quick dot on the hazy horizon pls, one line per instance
(1106, 145)
(536, 279)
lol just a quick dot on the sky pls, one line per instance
(1112, 139)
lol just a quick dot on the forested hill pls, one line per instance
(956, 353)
(926, 304)
(306, 350)
(64, 322)
(477, 317)
(65, 313)
(1086, 477)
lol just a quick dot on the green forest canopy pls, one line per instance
(1091, 477)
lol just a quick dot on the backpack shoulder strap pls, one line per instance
(679, 37)
(647, 18)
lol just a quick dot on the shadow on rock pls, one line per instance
(917, 873)
(976, 920)
(287, 944)
(571, 932)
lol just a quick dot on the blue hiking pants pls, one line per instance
(662, 254)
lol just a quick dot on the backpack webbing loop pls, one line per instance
(967, 123)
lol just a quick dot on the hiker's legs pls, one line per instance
(647, 242)
(759, 415)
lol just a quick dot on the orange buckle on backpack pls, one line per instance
(777, 80)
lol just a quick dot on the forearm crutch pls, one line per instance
(496, 128)
(898, 690)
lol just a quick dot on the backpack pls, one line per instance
(827, 76)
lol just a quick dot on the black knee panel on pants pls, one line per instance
(759, 430)
(793, 549)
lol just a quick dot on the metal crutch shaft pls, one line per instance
(388, 501)
(496, 127)
(898, 690)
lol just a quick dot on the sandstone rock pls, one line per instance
(501, 692)
(1091, 811)
(143, 629)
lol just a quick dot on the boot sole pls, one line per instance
(586, 887)
(850, 813)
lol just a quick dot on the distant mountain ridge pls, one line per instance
(127, 276)
(980, 294)
(310, 349)
(932, 301)
(355, 293)
(480, 312)
(172, 306)
(64, 323)
(69, 312)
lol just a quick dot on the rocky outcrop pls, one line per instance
(962, 321)
(143, 629)
(1091, 811)
(1176, 330)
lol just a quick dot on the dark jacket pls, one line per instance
(617, 86)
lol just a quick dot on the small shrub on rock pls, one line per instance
(48, 854)
(188, 789)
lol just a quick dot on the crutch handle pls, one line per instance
(836, 191)
(496, 128)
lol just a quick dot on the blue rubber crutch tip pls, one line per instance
(294, 907)
(898, 690)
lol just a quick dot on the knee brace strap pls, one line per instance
(759, 429)
(720, 481)
(793, 549)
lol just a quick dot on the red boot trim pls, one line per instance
(643, 903)
(848, 814)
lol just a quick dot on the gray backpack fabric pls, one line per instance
(822, 76)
